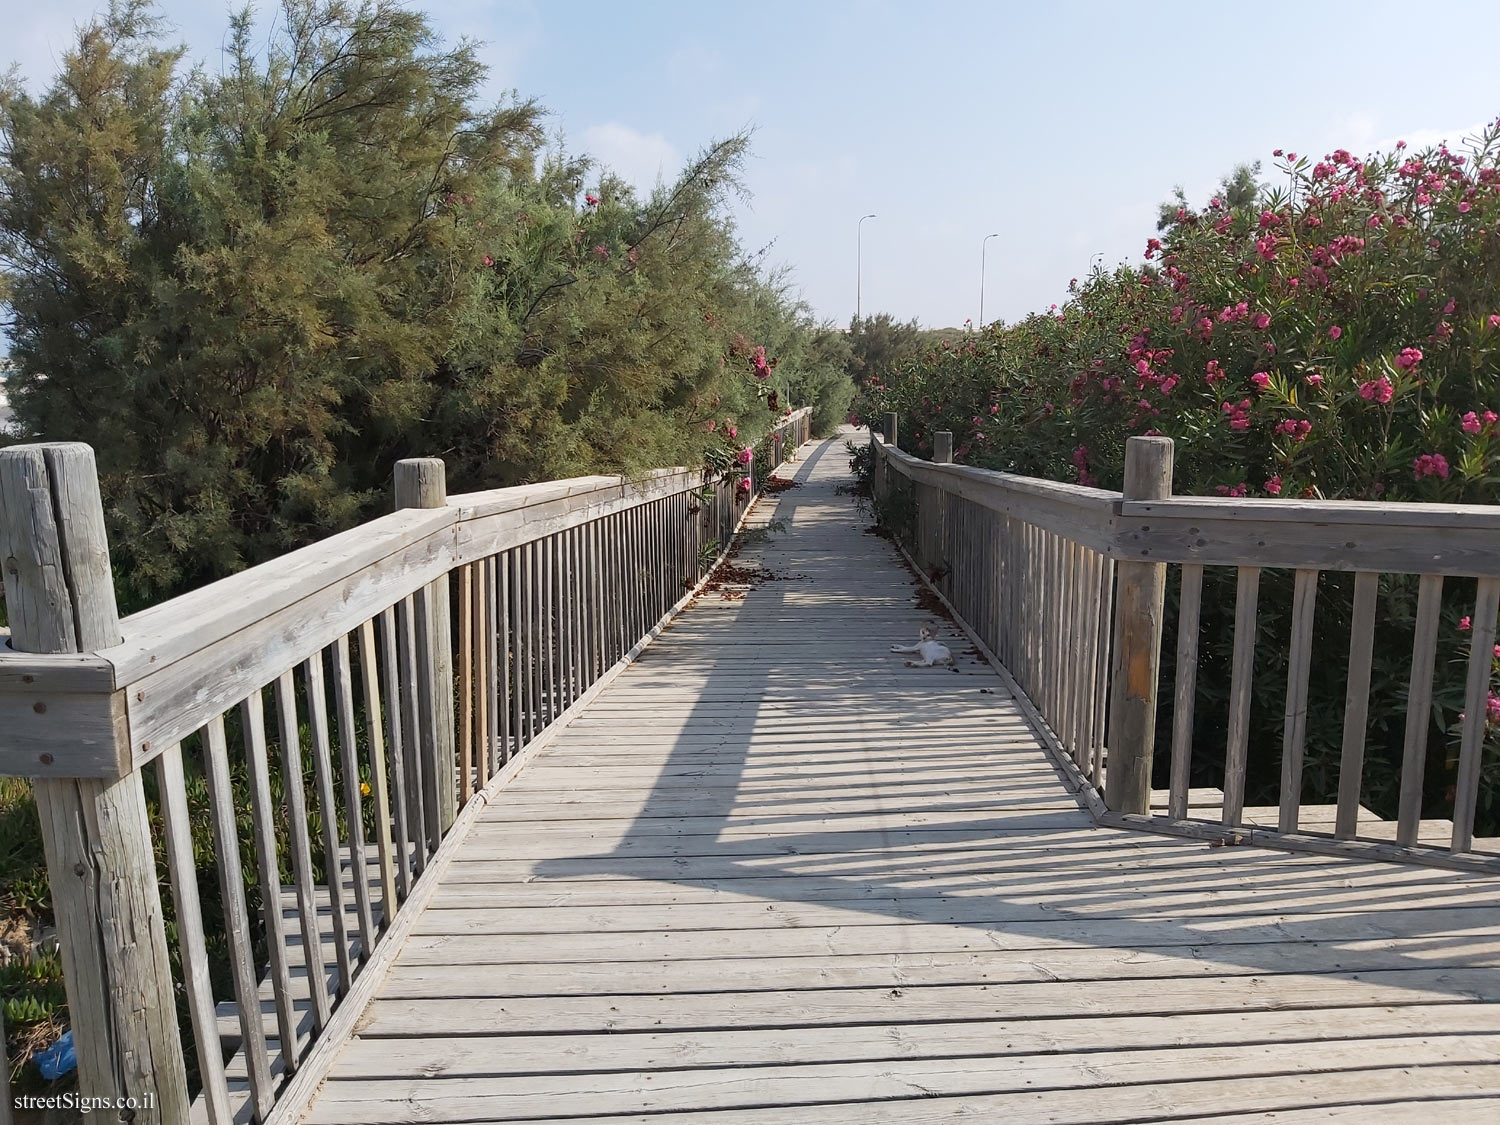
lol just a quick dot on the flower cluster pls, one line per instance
(1316, 340)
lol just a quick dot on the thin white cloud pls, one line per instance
(641, 158)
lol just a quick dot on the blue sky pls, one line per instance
(1058, 126)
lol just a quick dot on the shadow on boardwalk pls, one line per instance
(922, 796)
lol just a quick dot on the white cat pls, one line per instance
(931, 650)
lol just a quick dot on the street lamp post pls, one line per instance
(859, 266)
(983, 243)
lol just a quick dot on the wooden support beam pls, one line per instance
(421, 482)
(96, 833)
(1139, 604)
(942, 447)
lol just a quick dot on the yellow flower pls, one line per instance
(364, 788)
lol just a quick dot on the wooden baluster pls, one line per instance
(418, 759)
(322, 752)
(1356, 704)
(1298, 674)
(379, 789)
(1419, 709)
(1101, 669)
(494, 663)
(465, 680)
(593, 595)
(1241, 680)
(535, 653)
(481, 642)
(552, 669)
(520, 572)
(301, 849)
(177, 823)
(359, 868)
(390, 631)
(1141, 590)
(1476, 699)
(1088, 615)
(263, 821)
(59, 596)
(504, 654)
(221, 814)
(1190, 601)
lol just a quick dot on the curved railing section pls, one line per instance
(297, 748)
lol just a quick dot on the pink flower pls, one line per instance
(591, 199)
(1471, 423)
(1261, 321)
(1492, 708)
(601, 252)
(1335, 332)
(1464, 624)
(1213, 373)
(1377, 390)
(1463, 209)
(488, 261)
(745, 484)
(1232, 489)
(746, 455)
(1237, 414)
(1374, 221)
(1430, 465)
(1273, 486)
(1169, 384)
(1495, 320)
(1313, 379)
(1266, 247)
(1261, 380)
(1489, 417)
(731, 432)
(712, 425)
(1409, 358)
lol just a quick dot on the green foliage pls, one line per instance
(1334, 336)
(253, 288)
(880, 343)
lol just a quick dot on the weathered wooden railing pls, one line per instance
(1066, 586)
(333, 714)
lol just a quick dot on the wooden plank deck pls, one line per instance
(772, 875)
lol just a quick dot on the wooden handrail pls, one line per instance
(1349, 535)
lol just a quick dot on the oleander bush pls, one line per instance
(1335, 334)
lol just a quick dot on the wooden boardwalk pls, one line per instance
(772, 875)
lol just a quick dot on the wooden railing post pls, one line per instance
(942, 447)
(101, 865)
(421, 482)
(1140, 595)
(890, 427)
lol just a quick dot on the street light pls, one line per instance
(859, 265)
(982, 246)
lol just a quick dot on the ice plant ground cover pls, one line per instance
(1335, 334)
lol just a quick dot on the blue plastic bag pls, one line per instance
(58, 1059)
